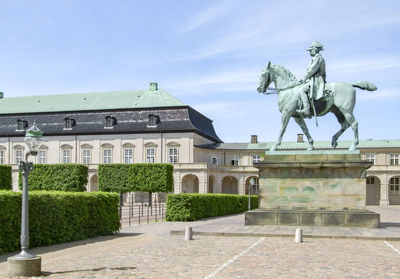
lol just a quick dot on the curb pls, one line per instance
(230, 234)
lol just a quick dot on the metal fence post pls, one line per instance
(120, 206)
(147, 214)
(156, 211)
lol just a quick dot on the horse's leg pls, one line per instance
(344, 125)
(303, 126)
(284, 121)
(354, 125)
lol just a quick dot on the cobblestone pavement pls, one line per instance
(148, 251)
(153, 256)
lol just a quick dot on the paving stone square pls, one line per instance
(150, 251)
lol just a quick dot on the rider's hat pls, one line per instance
(316, 45)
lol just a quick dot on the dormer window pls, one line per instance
(153, 120)
(110, 122)
(21, 125)
(69, 123)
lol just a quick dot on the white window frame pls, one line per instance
(66, 155)
(2, 157)
(128, 155)
(21, 125)
(370, 179)
(370, 157)
(173, 154)
(107, 155)
(256, 158)
(18, 155)
(214, 160)
(42, 156)
(150, 154)
(235, 160)
(394, 185)
(86, 158)
(394, 159)
(153, 120)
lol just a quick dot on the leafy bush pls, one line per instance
(123, 178)
(191, 207)
(5, 178)
(57, 217)
(58, 177)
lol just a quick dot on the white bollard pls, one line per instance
(298, 238)
(188, 233)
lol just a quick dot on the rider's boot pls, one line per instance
(305, 112)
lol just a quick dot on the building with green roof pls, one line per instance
(151, 125)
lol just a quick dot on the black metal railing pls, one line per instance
(132, 212)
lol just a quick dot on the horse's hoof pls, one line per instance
(334, 145)
(273, 148)
(352, 148)
(310, 148)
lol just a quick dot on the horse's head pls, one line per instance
(265, 79)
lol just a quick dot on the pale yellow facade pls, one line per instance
(196, 169)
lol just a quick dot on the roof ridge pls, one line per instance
(90, 101)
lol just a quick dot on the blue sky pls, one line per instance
(208, 54)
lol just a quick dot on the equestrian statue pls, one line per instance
(312, 96)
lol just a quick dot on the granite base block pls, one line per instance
(328, 218)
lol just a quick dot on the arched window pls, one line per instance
(107, 153)
(18, 153)
(173, 152)
(150, 152)
(86, 154)
(66, 153)
(128, 153)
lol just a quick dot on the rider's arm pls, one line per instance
(313, 67)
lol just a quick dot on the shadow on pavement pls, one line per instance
(58, 247)
(48, 273)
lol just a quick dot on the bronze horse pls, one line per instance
(340, 100)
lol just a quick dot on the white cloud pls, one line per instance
(206, 16)
(232, 81)
(382, 95)
(273, 25)
(365, 64)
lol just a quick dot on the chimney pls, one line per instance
(300, 138)
(254, 139)
(153, 86)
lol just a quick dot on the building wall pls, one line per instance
(194, 164)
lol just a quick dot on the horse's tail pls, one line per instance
(365, 85)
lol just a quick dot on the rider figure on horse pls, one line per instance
(317, 77)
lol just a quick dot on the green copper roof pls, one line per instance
(89, 101)
(303, 145)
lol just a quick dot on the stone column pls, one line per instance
(218, 184)
(202, 183)
(384, 192)
(177, 183)
(242, 185)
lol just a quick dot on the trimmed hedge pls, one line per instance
(57, 217)
(191, 207)
(123, 178)
(57, 177)
(5, 178)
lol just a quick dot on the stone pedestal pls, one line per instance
(24, 267)
(317, 188)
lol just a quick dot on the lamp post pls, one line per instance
(251, 184)
(25, 264)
